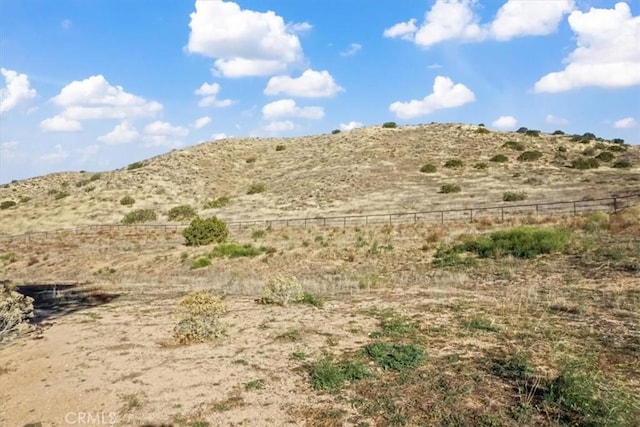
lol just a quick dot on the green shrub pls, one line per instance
(605, 156)
(454, 163)
(499, 158)
(428, 168)
(327, 374)
(585, 163)
(235, 250)
(199, 318)
(481, 165)
(258, 234)
(280, 147)
(218, 203)
(335, 131)
(200, 263)
(558, 132)
(282, 290)
(482, 129)
(450, 188)
(530, 156)
(521, 242)
(522, 130)
(312, 299)
(6, 204)
(589, 136)
(389, 125)
(127, 201)
(181, 213)
(205, 231)
(531, 132)
(617, 148)
(480, 323)
(618, 141)
(135, 165)
(256, 188)
(622, 164)
(395, 357)
(514, 145)
(510, 196)
(139, 215)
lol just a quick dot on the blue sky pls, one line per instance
(96, 85)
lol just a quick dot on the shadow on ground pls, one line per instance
(51, 301)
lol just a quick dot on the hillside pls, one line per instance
(371, 169)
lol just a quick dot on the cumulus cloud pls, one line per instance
(122, 133)
(607, 53)
(88, 152)
(457, 20)
(16, 90)
(165, 128)
(244, 42)
(553, 120)
(529, 18)
(219, 136)
(353, 49)
(209, 93)
(280, 126)
(445, 94)
(95, 99)
(311, 84)
(626, 123)
(10, 151)
(350, 125)
(60, 124)
(202, 122)
(505, 122)
(57, 156)
(288, 108)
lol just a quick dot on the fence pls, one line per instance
(501, 213)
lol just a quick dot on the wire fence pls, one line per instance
(478, 213)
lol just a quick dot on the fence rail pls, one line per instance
(501, 213)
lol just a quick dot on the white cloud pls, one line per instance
(60, 124)
(94, 98)
(202, 122)
(58, 155)
(553, 120)
(280, 126)
(404, 30)
(245, 42)
(161, 141)
(350, 125)
(434, 66)
(219, 136)
(311, 84)
(88, 152)
(66, 24)
(626, 123)
(288, 108)
(209, 93)
(505, 122)
(607, 53)
(122, 133)
(353, 49)
(16, 91)
(9, 151)
(532, 18)
(445, 94)
(164, 128)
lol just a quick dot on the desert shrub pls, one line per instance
(139, 215)
(454, 163)
(589, 151)
(218, 203)
(622, 164)
(428, 168)
(127, 201)
(251, 159)
(521, 242)
(15, 309)
(256, 188)
(562, 149)
(482, 129)
(396, 357)
(199, 316)
(6, 204)
(135, 165)
(531, 132)
(94, 177)
(201, 262)
(617, 148)
(205, 231)
(514, 145)
(312, 299)
(335, 131)
(450, 188)
(282, 290)
(235, 250)
(558, 132)
(181, 213)
(585, 396)
(511, 196)
(530, 156)
(280, 147)
(82, 183)
(522, 130)
(24, 199)
(596, 221)
(585, 163)
(481, 165)
(605, 156)
(589, 136)
(327, 374)
(499, 158)
(61, 195)
(618, 141)
(389, 125)
(258, 234)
